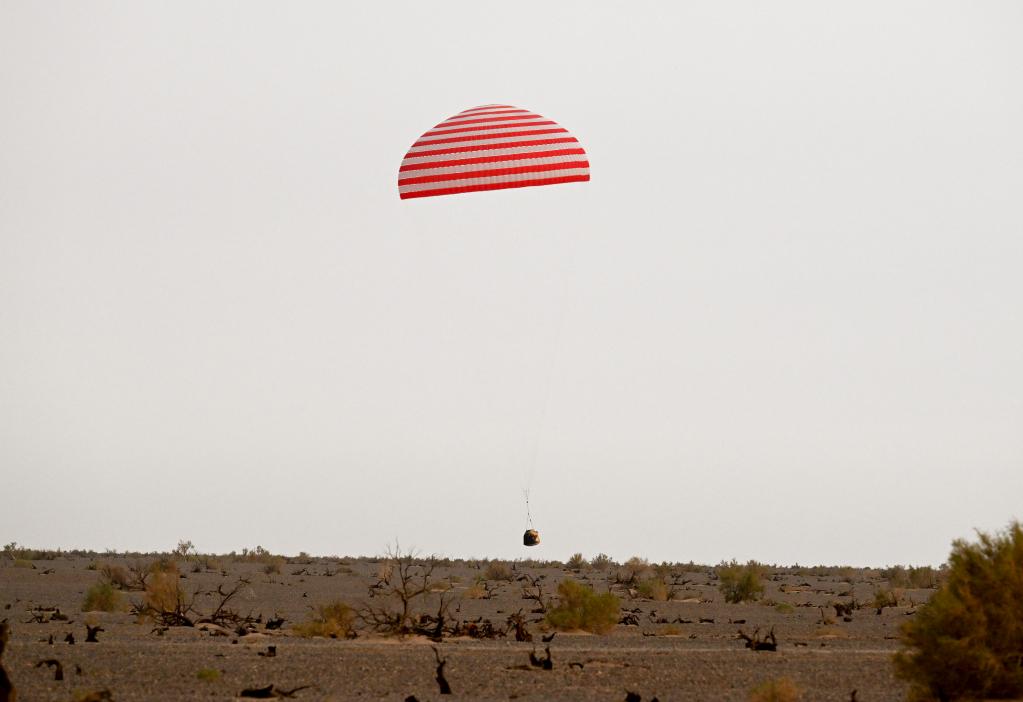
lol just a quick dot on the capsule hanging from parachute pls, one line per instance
(492, 147)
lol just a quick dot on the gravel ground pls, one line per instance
(670, 654)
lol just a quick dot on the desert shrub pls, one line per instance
(966, 641)
(115, 575)
(333, 621)
(23, 563)
(634, 569)
(884, 597)
(740, 583)
(163, 588)
(923, 578)
(653, 589)
(601, 561)
(778, 690)
(498, 570)
(272, 567)
(579, 607)
(784, 608)
(576, 562)
(208, 674)
(102, 597)
(477, 591)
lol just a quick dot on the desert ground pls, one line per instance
(682, 642)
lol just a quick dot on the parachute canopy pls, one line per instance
(491, 147)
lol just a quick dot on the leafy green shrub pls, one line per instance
(778, 690)
(102, 597)
(333, 621)
(967, 641)
(208, 674)
(740, 583)
(579, 607)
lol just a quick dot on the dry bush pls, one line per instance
(408, 579)
(23, 563)
(576, 562)
(333, 621)
(653, 589)
(102, 597)
(967, 641)
(477, 591)
(633, 569)
(579, 607)
(208, 674)
(499, 570)
(777, 690)
(115, 575)
(884, 597)
(601, 561)
(164, 597)
(740, 583)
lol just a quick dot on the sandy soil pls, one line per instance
(683, 659)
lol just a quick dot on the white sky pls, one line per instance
(784, 320)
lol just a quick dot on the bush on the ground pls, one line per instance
(966, 642)
(579, 607)
(102, 597)
(333, 620)
(740, 583)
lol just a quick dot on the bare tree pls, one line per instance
(404, 579)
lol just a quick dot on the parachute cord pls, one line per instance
(553, 353)
(529, 518)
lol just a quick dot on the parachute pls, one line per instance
(491, 147)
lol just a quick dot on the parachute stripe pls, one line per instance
(513, 156)
(486, 131)
(501, 147)
(480, 128)
(491, 172)
(484, 144)
(500, 118)
(497, 186)
(477, 137)
(507, 178)
(487, 107)
(488, 148)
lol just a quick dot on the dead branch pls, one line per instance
(58, 673)
(442, 682)
(754, 642)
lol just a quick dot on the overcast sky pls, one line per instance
(783, 321)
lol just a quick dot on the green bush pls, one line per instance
(579, 607)
(333, 621)
(102, 597)
(208, 674)
(967, 641)
(740, 583)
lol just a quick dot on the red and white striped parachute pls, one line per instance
(491, 147)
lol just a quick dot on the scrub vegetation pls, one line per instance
(740, 583)
(580, 608)
(966, 642)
